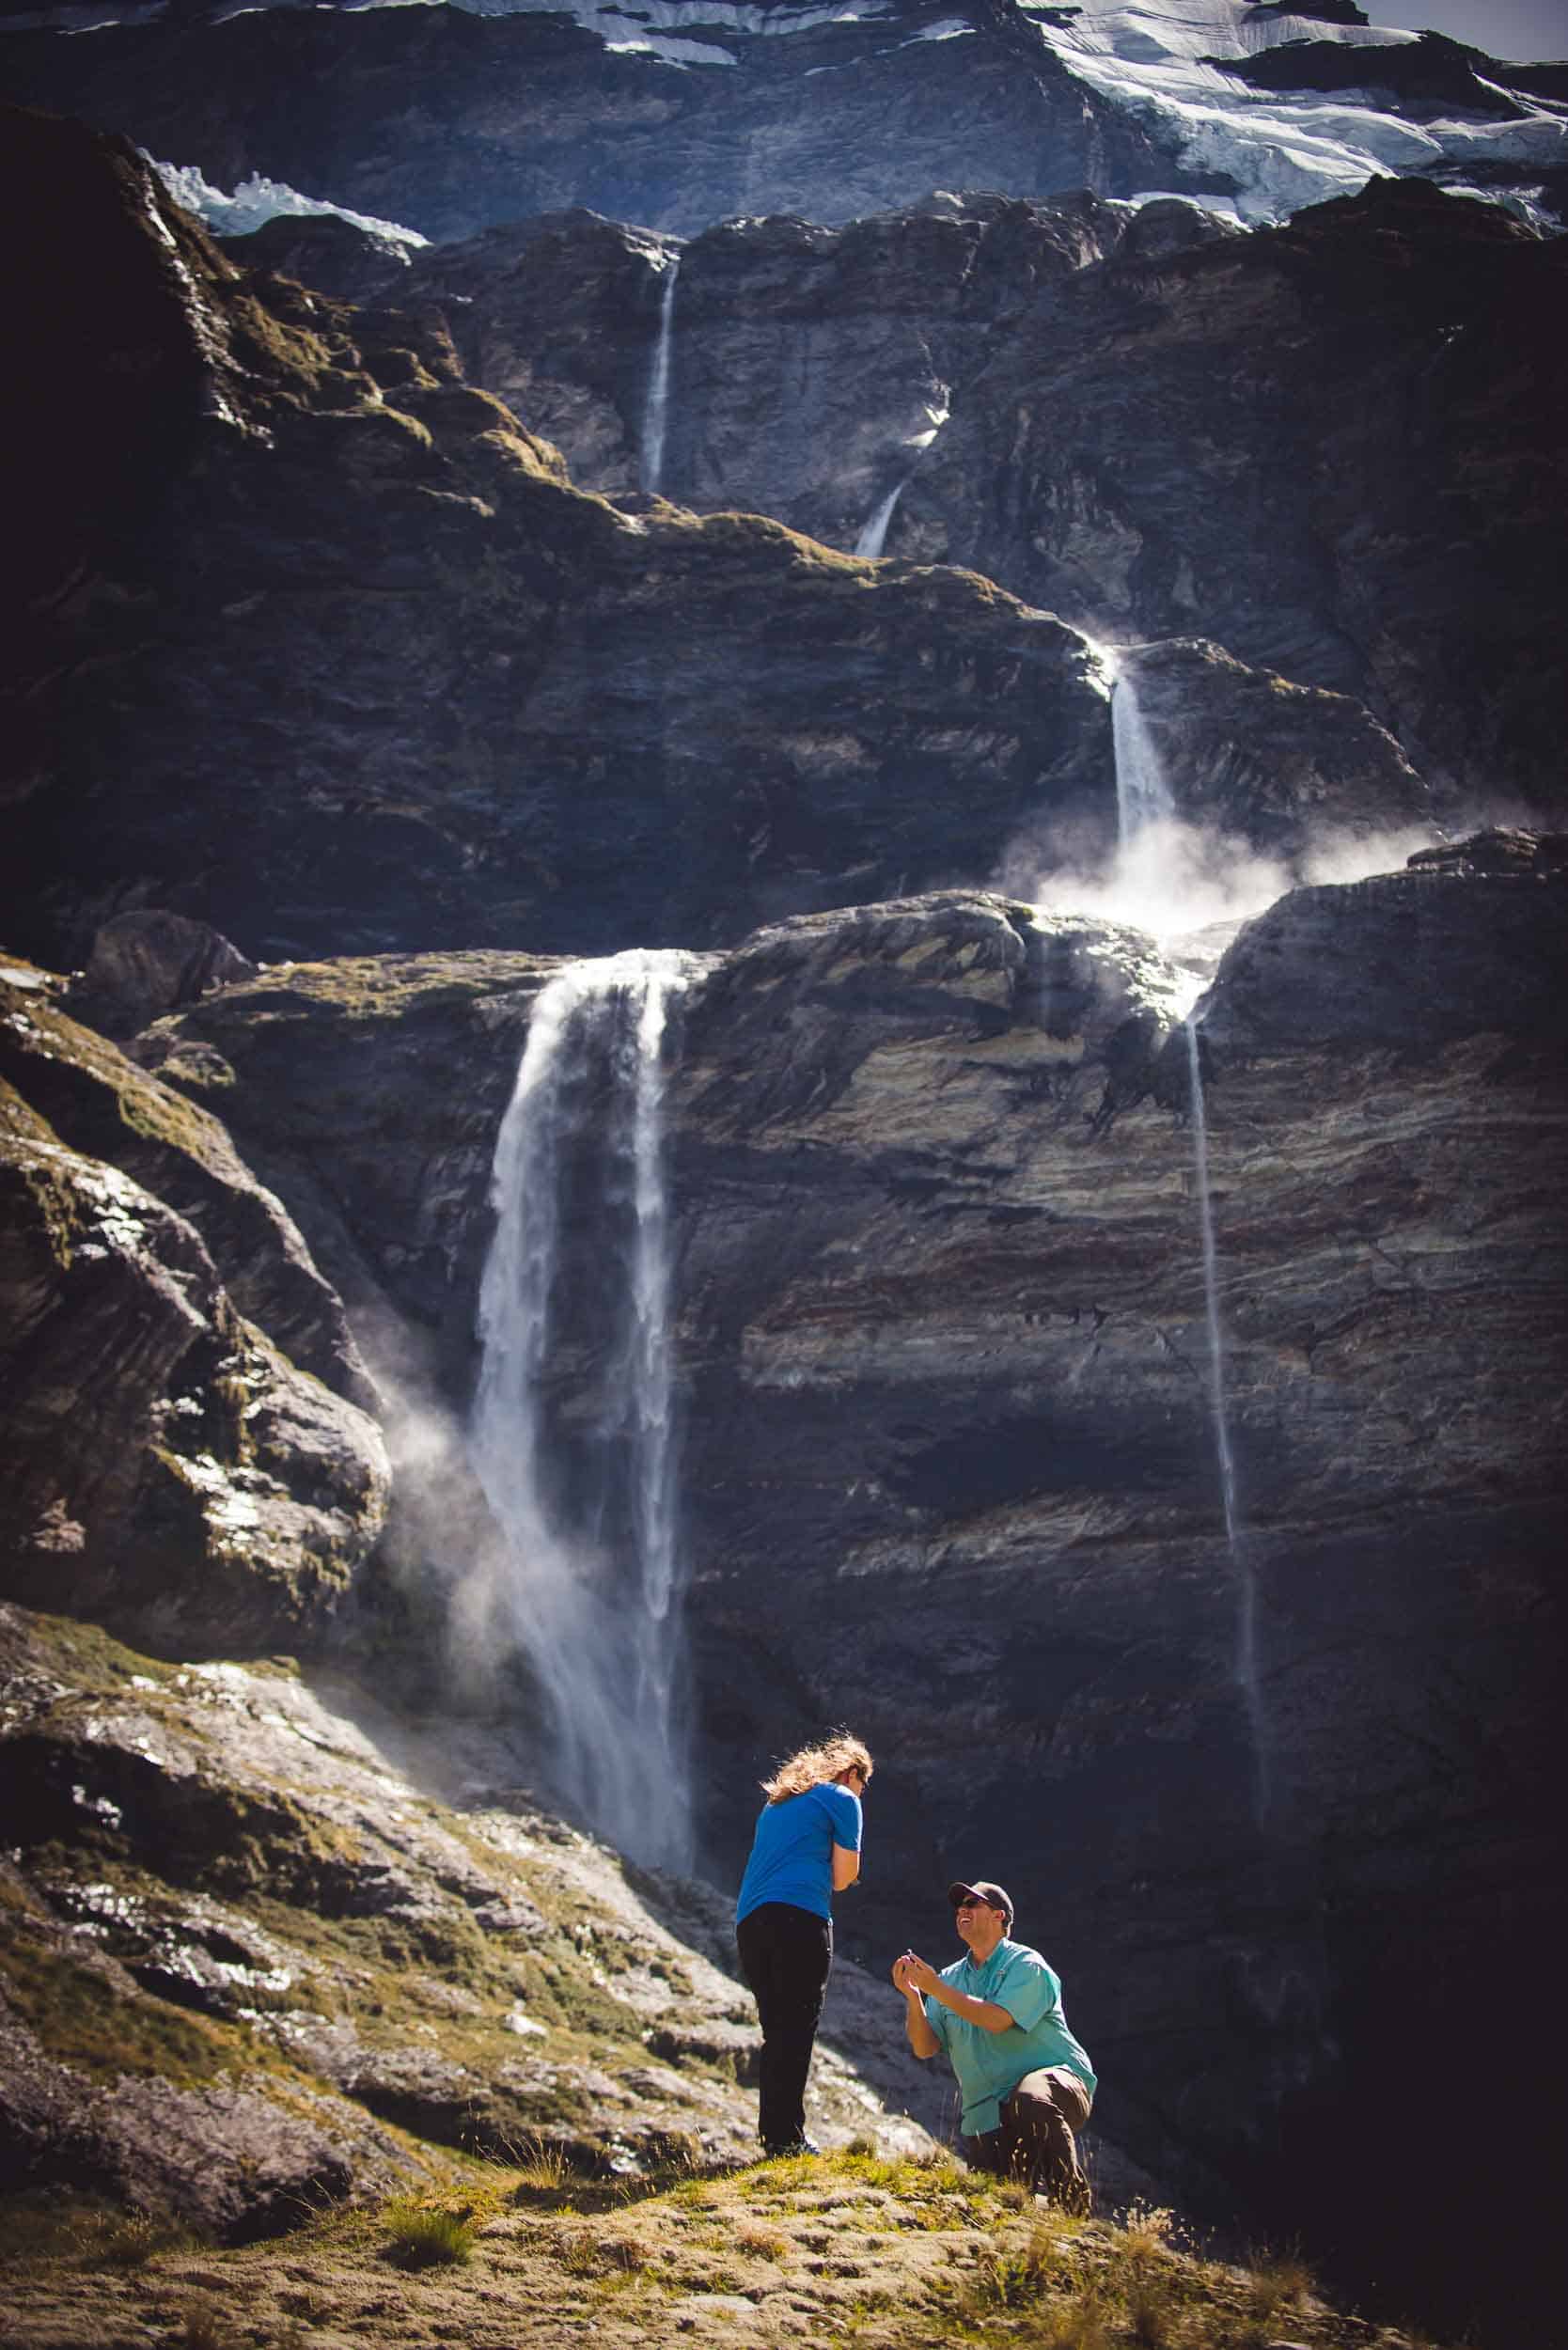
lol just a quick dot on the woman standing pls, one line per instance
(806, 1848)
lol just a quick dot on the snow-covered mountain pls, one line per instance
(677, 113)
(1275, 146)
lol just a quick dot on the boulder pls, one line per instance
(146, 963)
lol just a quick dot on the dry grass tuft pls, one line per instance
(201, 2327)
(426, 2237)
(541, 2169)
(756, 2236)
(1279, 2280)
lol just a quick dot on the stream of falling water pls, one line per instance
(874, 537)
(657, 412)
(595, 1584)
(1246, 1657)
(1142, 793)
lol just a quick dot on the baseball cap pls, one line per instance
(980, 1890)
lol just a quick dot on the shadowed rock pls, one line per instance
(144, 963)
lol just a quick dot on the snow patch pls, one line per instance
(257, 199)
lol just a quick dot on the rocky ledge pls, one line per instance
(264, 1948)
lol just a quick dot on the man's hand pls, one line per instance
(911, 1975)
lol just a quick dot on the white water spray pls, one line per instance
(594, 1587)
(1246, 1662)
(656, 414)
(874, 537)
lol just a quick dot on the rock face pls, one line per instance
(145, 963)
(1145, 422)
(1147, 1436)
(689, 114)
(951, 1469)
(385, 679)
(1277, 443)
(168, 1465)
(950, 1460)
(246, 1925)
(492, 117)
(807, 365)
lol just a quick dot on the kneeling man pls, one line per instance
(1026, 2083)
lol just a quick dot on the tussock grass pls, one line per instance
(200, 2325)
(425, 2236)
(541, 2169)
(1279, 2280)
(40, 2225)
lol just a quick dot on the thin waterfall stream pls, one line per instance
(874, 536)
(1143, 796)
(1245, 1655)
(581, 1195)
(656, 414)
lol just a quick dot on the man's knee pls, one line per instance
(1057, 2090)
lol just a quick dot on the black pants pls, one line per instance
(786, 1956)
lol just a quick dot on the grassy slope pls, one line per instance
(842, 2250)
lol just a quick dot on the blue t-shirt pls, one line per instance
(791, 1852)
(990, 2064)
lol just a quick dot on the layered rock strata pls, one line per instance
(384, 678)
(1146, 422)
(1271, 1802)
(1280, 442)
(170, 1462)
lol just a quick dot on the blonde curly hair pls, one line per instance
(839, 1752)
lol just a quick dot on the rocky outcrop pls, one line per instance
(246, 1925)
(1279, 442)
(166, 1466)
(102, 1105)
(143, 965)
(1296, 773)
(385, 679)
(807, 365)
(1423, 78)
(1039, 387)
(950, 1457)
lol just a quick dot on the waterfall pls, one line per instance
(656, 412)
(1142, 794)
(874, 537)
(594, 1586)
(1245, 1660)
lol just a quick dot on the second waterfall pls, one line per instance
(573, 1430)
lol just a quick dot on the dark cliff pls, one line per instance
(320, 641)
(383, 676)
(950, 1461)
(448, 122)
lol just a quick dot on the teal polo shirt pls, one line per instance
(989, 2065)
